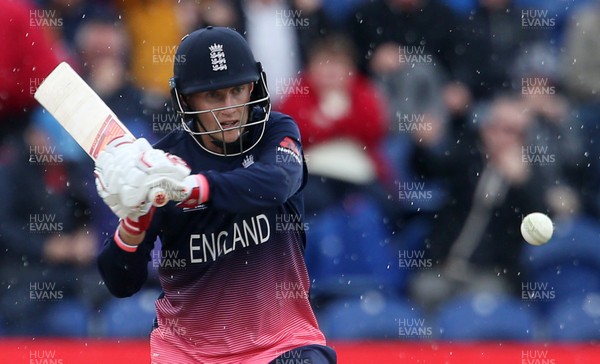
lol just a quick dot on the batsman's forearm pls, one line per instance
(123, 272)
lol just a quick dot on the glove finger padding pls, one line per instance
(127, 170)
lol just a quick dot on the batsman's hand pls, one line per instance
(127, 170)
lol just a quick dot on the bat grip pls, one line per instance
(158, 196)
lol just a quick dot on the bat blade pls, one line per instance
(84, 115)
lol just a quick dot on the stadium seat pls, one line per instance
(131, 317)
(485, 316)
(67, 318)
(577, 319)
(373, 316)
(349, 251)
(569, 263)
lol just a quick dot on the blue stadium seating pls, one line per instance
(131, 317)
(373, 316)
(486, 316)
(577, 319)
(349, 251)
(66, 318)
(569, 263)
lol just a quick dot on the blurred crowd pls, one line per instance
(430, 128)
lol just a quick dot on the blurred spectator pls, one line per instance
(47, 267)
(581, 65)
(28, 57)
(556, 135)
(342, 120)
(412, 85)
(476, 233)
(70, 14)
(338, 111)
(338, 11)
(279, 33)
(581, 59)
(102, 47)
(104, 51)
(408, 23)
(315, 25)
(497, 36)
(155, 28)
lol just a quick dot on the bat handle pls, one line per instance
(158, 196)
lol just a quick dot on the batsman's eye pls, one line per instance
(212, 95)
(237, 90)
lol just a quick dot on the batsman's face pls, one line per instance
(228, 111)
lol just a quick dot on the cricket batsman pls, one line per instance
(237, 169)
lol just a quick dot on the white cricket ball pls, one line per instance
(537, 228)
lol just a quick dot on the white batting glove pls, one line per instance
(127, 170)
(192, 191)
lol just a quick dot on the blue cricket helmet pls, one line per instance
(214, 58)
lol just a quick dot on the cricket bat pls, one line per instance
(84, 115)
